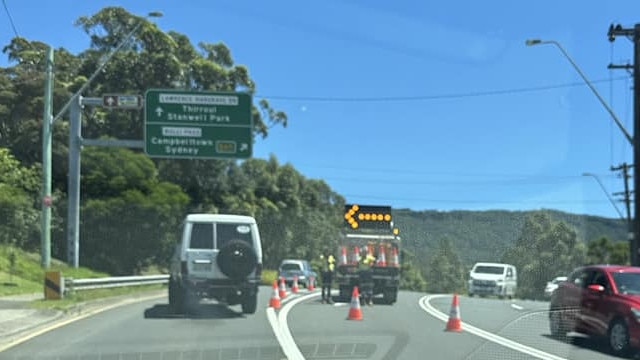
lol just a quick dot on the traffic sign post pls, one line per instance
(188, 124)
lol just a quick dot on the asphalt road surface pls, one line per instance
(303, 328)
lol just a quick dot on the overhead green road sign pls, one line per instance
(195, 124)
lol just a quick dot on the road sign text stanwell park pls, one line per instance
(188, 124)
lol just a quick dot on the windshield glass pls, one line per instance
(496, 270)
(466, 152)
(627, 282)
(290, 267)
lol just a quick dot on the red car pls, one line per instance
(599, 300)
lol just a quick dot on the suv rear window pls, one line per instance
(226, 232)
(290, 266)
(498, 270)
(201, 236)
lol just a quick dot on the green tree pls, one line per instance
(18, 193)
(545, 249)
(411, 278)
(446, 273)
(605, 251)
(132, 219)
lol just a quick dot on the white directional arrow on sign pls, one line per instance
(159, 111)
(244, 147)
(110, 100)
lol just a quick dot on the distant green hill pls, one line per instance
(484, 235)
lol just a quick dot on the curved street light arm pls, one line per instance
(627, 135)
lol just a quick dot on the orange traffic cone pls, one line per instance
(394, 257)
(343, 256)
(355, 257)
(454, 323)
(382, 257)
(283, 289)
(355, 313)
(274, 302)
(294, 287)
(310, 283)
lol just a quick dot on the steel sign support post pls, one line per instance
(73, 189)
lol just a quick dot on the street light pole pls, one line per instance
(531, 42)
(75, 138)
(634, 235)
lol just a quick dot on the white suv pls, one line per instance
(219, 257)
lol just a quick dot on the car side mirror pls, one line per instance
(596, 288)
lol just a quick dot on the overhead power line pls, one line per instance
(435, 96)
(13, 25)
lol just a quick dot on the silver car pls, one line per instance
(553, 285)
(290, 268)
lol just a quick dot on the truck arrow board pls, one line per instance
(367, 216)
(198, 124)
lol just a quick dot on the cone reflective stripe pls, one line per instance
(343, 256)
(382, 258)
(283, 289)
(274, 302)
(394, 257)
(355, 312)
(294, 287)
(454, 323)
(310, 283)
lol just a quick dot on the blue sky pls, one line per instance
(384, 98)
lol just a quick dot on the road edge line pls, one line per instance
(280, 327)
(58, 324)
(428, 308)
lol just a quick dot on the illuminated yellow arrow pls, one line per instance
(349, 216)
(353, 216)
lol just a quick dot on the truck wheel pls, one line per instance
(390, 296)
(250, 304)
(345, 294)
(176, 297)
(237, 259)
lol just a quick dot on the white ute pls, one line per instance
(493, 279)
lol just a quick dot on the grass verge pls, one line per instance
(21, 272)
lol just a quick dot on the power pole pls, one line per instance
(626, 194)
(47, 119)
(634, 35)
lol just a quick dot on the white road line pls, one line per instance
(61, 323)
(517, 307)
(426, 306)
(281, 328)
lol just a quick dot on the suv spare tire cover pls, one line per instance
(237, 259)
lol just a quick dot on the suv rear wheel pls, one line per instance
(250, 304)
(176, 297)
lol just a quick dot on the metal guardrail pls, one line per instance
(71, 284)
